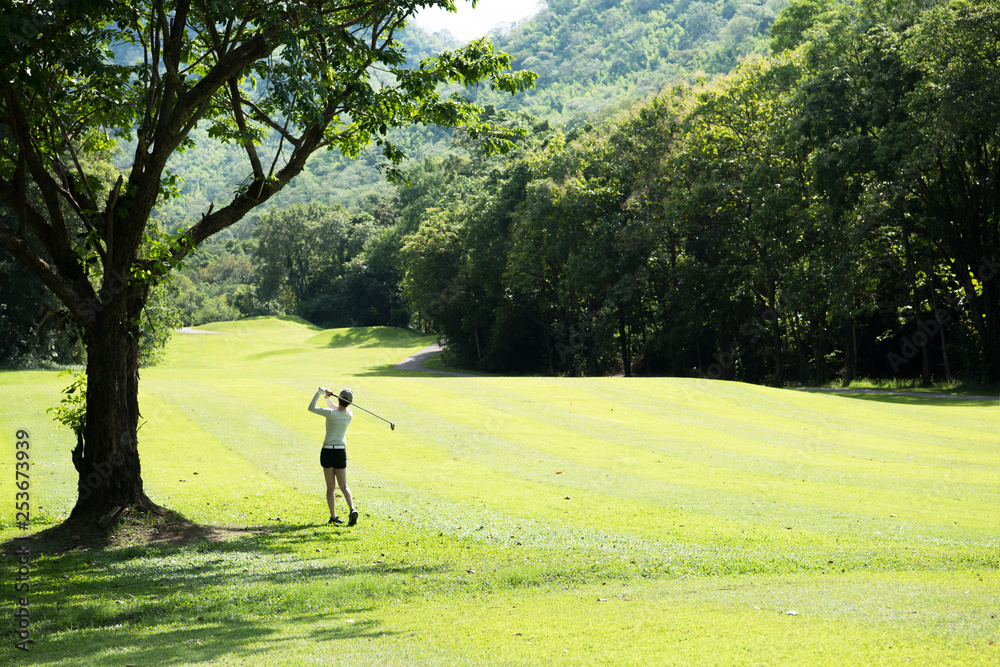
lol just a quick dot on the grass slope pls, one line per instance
(517, 520)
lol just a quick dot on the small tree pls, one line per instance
(317, 73)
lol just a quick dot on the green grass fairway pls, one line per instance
(508, 520)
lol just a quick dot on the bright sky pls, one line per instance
(468, 23)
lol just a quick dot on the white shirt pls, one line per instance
(337, 422)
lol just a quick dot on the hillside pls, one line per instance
(590, 56)
(598, 54)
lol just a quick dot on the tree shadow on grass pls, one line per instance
(923, 401)
(415, 365)
(368, 337)
(202, 597)
(390, 370)
(196, 642)
(929, 401)
(913, 398)
(151, 528)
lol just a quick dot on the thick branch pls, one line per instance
(241, 124)
(77, 295)
(257, 194)
(261, 117)
(53, 233)
(16, 119)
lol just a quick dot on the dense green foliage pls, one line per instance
(209, 168)
(206, 170)
(827, 213)
(34, 328)
(328, 267)
(569, 45)
(596, 55)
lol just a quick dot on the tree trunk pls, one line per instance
(775, 333)
(107, 456)
(983, 310)
(925, 357)
(925, 365)
(941, 322)
(623, 339)
(818, 347)
(990, 277)
(850, 354)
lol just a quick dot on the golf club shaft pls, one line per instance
(366, 410)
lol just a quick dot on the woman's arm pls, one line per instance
(312, 405)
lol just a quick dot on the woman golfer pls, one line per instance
(333, 456)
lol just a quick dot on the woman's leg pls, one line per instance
(331, 485)
(341, 475)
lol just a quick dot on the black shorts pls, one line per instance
(333, 458)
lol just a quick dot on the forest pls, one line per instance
(771, 192)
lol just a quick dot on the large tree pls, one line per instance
(900, 104)
(81, 75)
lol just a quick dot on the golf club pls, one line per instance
(392, 426)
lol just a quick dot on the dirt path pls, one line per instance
(415, 362)
(189, 330)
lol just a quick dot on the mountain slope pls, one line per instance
(593, 54)
(590, 57)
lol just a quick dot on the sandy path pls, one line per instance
(189, 330)
(415, 362)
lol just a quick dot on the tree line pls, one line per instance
(829, 212)
(646, 43)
